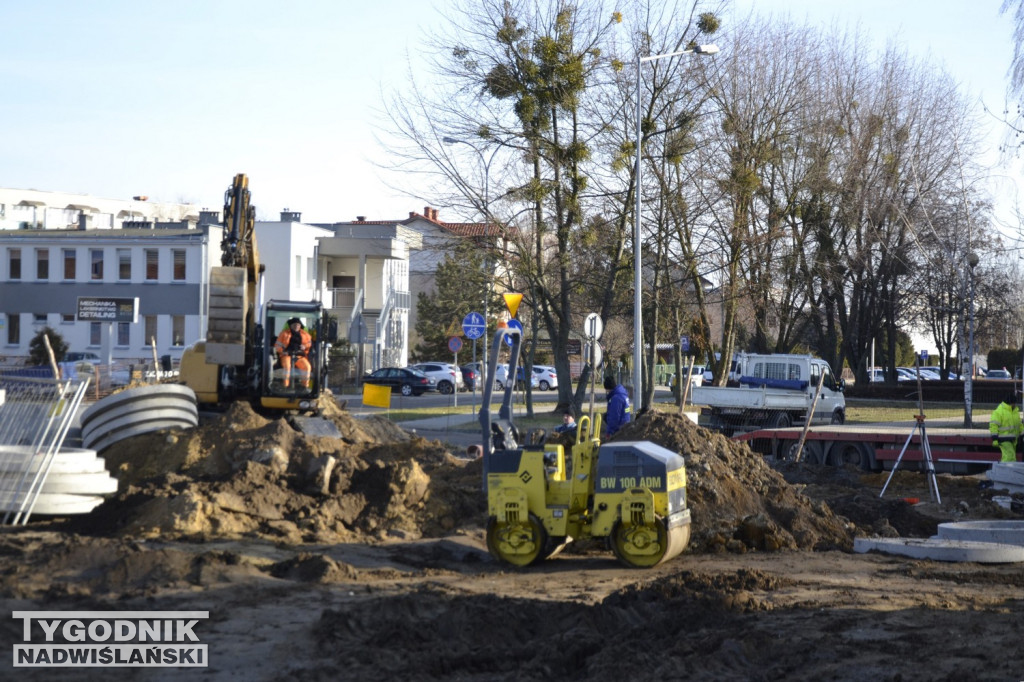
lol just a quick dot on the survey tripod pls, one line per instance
(926, 448)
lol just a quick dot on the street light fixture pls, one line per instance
(972, 261)
(637, 314)
(487, 221)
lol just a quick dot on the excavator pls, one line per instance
(237, 359)
(540, 498)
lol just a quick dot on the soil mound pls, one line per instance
(737, 501)
(242, 474)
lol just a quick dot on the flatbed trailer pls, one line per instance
(876, 447)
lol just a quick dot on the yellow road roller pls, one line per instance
(539, 498)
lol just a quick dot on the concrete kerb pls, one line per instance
(439, 423)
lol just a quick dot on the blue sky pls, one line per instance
(114, 98)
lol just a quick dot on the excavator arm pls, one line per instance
(234, 287)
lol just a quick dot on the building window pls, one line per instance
(123, 334)
(178, 267)
(38, 318)
(42, 264)
(95, 334)
(150, 327)
(298, 271)
(96, 264)
(152, 265)
(67, 318)
(310, 271)
(69, 264)
(178, 330)
(124, 265)
(14, 261)
(13, 328)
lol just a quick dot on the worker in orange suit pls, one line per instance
(295, 342)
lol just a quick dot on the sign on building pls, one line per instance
(101, 309)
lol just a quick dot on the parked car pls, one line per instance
(469, 377)
(998, 374)
(696, 378)
(405, 380)
(82, 356)
(500, 378)
(447, 376)
(547, 378)
(905, 374)
(926, 375)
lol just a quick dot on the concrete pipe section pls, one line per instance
(70, 481)
(1004, 532)
(941, 549)
(137, 411)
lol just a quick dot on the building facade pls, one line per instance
(43, 273)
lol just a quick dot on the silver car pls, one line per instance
(447, 375)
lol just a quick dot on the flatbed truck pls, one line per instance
(876, 447)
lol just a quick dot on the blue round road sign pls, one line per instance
(455, 344)
(514, 324)
(474, 326)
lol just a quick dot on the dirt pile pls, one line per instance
(736, 500)
(245, 475)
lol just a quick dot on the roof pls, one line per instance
(460, 229)
(112, 234)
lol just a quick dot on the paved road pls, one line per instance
(541, 400)
(458, 428)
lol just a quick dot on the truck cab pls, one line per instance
(772, 391)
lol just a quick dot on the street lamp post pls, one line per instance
(972, 261)
(487, 260)
(637, 314)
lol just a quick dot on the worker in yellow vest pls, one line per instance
(1005, 427)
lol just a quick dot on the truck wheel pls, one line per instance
(838, 418)
(849, 453)
(780, 421)
(811, 453)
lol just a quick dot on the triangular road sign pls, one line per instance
(512, 302)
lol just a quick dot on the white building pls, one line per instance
(52, 253)
(427, 239)
(25, 209)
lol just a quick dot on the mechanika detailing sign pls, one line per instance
(98, 309)
(110, 639)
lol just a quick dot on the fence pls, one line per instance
(36, 414)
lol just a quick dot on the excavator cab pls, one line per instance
(293, 357)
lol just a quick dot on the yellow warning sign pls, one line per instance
(455, 329)
(512, 302)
